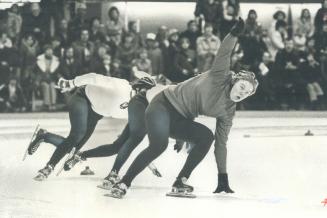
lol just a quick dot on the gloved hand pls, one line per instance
(65, 85)
(238, 28)
(223, 185)
(178, 145)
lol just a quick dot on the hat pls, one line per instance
(279, 12)
(172, 32)
(151, 36)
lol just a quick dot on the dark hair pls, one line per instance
(183, 39)
(302, 12)
(111, 10)
(275, 16)
(47, 46)
(190, 22)
(252, 11)
(280, 23)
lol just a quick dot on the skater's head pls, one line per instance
(244, 84)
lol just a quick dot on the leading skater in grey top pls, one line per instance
(172, 112)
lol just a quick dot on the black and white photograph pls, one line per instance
(157, 109)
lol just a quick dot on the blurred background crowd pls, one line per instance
(39, 44)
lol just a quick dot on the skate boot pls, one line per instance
(109, 181)
(71, 162)
(181, 189)
(36, 140)
(87, 172)
(118, 191)
(44, 173)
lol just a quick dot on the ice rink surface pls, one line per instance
(273, 168)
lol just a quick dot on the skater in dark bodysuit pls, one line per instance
(171, 114)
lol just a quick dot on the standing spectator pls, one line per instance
(114, 25)
(126, 53)
(305, 24)
(78, 23)
(300, 40)
(267, 40)
(278, 37)
(207, 47)
(154, 54)
(229, 20)
(55, 11)
(12, 97)
(6, 58)
(287, 65)
(278, 16)
(28, 52)
(211, 11)
(36, 22)
(172, 52)
(310, 70)
(63, 33)
(192, 33)
(134, 32)
(96, 36)
(251, 23)
(84, 50)
(185, 62)
(162, 39)
(142, 62)
(47, 74)
(321, 16)
(14, 23)
(70, 67)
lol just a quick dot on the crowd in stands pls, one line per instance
(38, 46)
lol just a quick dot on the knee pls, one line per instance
(205, 138)
(76, 137)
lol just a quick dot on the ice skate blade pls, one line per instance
(70, 155)
(104, 187)
(32, 138)
(113, 196)
(180, 195)
(39, 178)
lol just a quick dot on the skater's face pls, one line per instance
(241, 90)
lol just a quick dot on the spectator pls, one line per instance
(63, 33)
(211, 11)
(278, 16)
(229, 20)
(116, 70)
(134, 32)
(14, 22)
(192, 33)
(28, 52)
(96, 36)
(300, 40)
(163, 42)
(47, 74)
(278, 37)
(98, 57)
(321, 17)
(6, 61)
(3, 21)
(305, 24)
(125, 54)
(154, 54)
(185, 62)
(114, 25)
(268, 42)
(70, 67)
(12, 97)
(36, 22)
(78, 23)
(321, 47)
(142, 62)
(84, 50)
(207, 47)
(310, 70)
(104, 68)
(251, 23)
(172, 52)
(287, 65)
(58, 48)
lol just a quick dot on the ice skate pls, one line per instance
(109, 181)
(118, 191)
(44, 173)
(87, 172)
(35, 142)
(71, 162)
(181, 189)
(70, 155)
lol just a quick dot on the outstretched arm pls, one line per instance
(222, 59)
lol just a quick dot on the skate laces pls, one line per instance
(46, 170)
(113, 177)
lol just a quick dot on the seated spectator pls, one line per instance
(6, 57)
(321, 17)
(70, 67)
(36, 22)
(84, 50)
(134, 32)
(142, 62)
(311, 73)
(126, 53)
(192, 33)
(104, 68)
(172, 51)
(47, 74)
(251, 23)
(154, 54)
(300, 40)
(207, 47)
(229, 20)
(185, 62)
(78, 23)
(14, 22)
(287, 65)
(305, 24)
(114, 25)
(98, 57)
(63, 33)
(58, 48)
(278, 37)
(96, 36)
(12, 97)
(211, 11)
